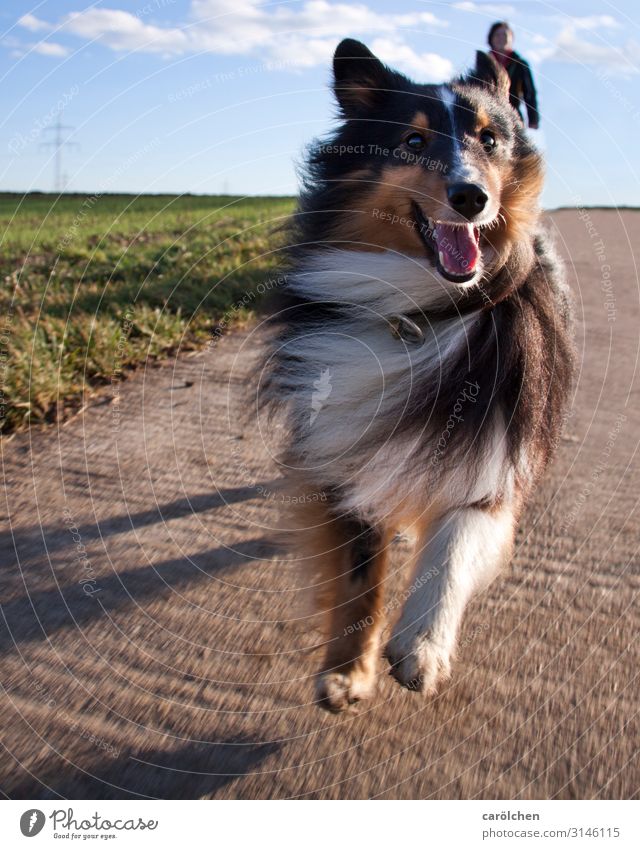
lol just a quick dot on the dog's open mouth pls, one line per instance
(455, 248)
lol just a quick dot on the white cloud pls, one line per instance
(18, 49)
(50, 48)
(496, 10)
(425, 67)
(571, 46)
(124, 31)
(301, 52)
(248, 25)
(593, 22)
(302, 34)
(32, 23)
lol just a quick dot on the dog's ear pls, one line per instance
(360, 80)
(491, 74)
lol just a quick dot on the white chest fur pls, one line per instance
(348, 384)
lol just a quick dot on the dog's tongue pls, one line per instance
(458, 249)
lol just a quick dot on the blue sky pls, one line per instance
(214, 96)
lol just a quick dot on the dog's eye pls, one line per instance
(488, 141)
(415, 142)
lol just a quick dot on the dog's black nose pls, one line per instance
(468, 199)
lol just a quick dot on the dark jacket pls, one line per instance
(522, 87)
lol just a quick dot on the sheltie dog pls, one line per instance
(422, 353)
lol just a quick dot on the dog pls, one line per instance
(422, 354)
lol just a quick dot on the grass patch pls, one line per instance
(95, 285)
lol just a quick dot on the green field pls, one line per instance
(95, 285)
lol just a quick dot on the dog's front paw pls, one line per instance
(336, 691)
(419, 664)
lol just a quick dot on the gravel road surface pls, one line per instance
(155, 644)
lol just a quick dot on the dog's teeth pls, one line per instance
(441, 258)
(431, 224)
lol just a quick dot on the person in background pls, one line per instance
(522, 89)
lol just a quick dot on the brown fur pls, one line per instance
(420, 121)
(370, 225)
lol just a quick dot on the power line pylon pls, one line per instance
(57, 143)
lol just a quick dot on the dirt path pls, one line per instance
(154, 645)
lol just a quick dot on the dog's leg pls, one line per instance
(460, 555)
(354, 571)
